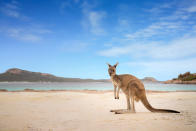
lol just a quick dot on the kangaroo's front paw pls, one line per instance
(116, 97)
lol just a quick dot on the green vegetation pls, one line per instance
(187, 76)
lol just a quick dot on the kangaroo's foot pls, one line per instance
(116, 97)
(124, 111)
(117, 110)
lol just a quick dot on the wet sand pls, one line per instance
(90, 110)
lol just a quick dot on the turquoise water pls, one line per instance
(17, 86)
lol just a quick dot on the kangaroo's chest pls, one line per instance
(116, 82)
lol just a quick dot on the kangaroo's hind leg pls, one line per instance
(132, 104)
(129, 106)
(128, 102)
(117, 111)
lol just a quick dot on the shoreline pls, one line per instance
(89, 91)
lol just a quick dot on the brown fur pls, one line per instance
(133, 88)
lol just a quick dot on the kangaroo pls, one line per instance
(133, 88)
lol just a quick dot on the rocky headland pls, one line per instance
(186, 78)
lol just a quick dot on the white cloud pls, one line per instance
(12, 5)
(160, 8)
(179, 48)
(32, 34)
(93, 22)
(21, 34)
(30, 37)
(191, 9)
(158, 28)
(172, 17)
(28, 32)
(179, 14)
(10, 9)
(95, 19)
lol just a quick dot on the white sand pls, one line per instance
(81, 111)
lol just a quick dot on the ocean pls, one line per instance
(18, 86)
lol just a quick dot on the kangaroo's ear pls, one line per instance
(108, 64)
(116, 64)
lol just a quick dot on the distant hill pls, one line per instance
(186, 78)
(19, 75)
(149, 79)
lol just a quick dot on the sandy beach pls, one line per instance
(86, 110)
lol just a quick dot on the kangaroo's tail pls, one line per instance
(150, 108)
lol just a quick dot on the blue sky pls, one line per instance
(75, 38)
